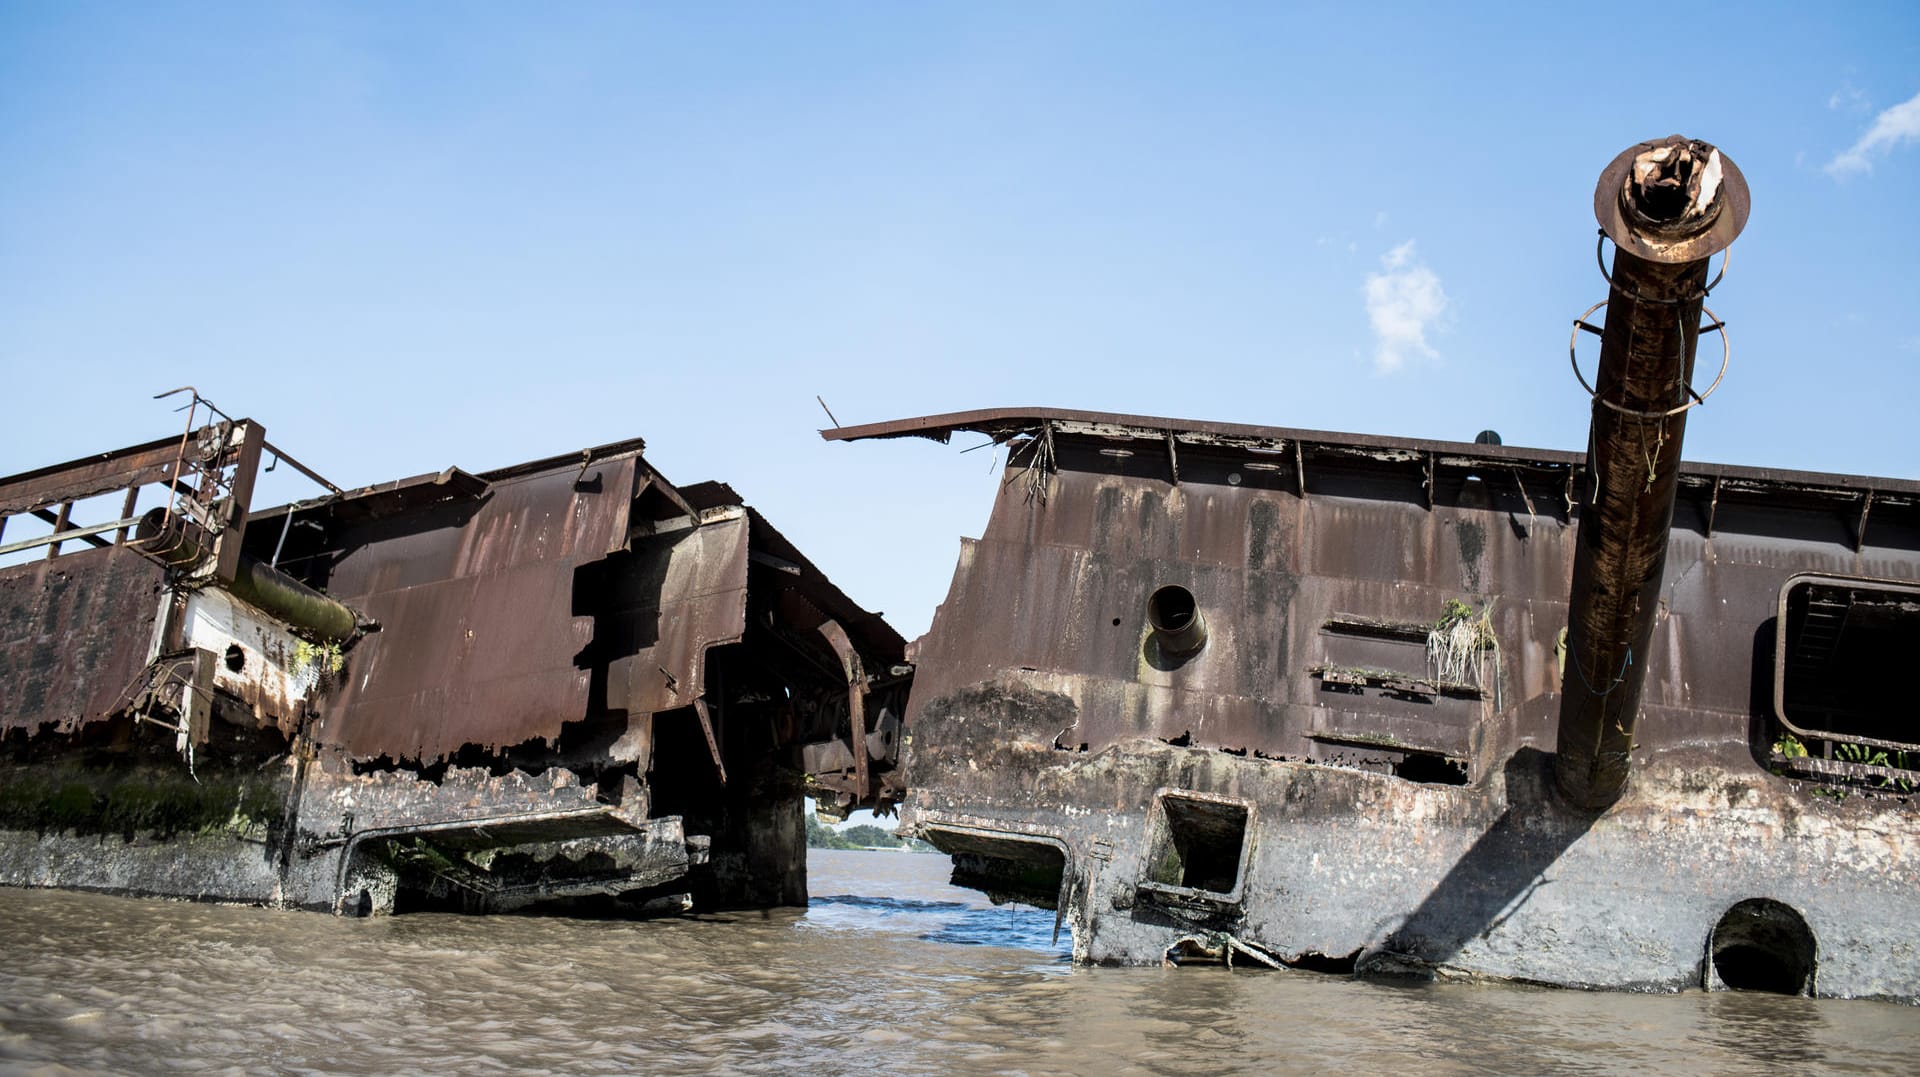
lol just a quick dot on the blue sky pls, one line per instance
(412, 235)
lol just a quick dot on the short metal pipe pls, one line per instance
(1177, 623)
(167, 538)
(1668, 206)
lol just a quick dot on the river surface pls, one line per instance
(890, 971)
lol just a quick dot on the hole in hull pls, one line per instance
(1325, 963)
(1763, 945)
(1198, 844)
(1432, 769)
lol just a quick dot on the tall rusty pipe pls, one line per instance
(1668, 206)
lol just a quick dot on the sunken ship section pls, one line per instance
(564, 684)
(1346, 703)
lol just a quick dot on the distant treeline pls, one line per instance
(863, 836)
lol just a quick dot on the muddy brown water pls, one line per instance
(889, 971)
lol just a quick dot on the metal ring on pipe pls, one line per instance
(1726, 355)
(1599, 255)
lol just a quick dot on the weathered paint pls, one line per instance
(257, 661)
(74, 633)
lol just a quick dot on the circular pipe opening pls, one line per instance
(1661, 181)
(1763, 945)
(1175, 618)
(1171, 609)
(1674, 187)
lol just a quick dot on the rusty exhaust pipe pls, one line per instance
(1668, 206)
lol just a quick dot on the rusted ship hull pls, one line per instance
(566, 683)
(1368, 704)
(1323, 785)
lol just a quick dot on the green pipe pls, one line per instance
(179, 544)
(292, 601)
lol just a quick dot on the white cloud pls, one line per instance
(1380, 219)
(1897, 125)
(1850, 98)
(1403, 303)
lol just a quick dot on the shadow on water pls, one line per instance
(952, 923)
(1017, 927)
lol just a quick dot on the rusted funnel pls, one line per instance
(1668, 206)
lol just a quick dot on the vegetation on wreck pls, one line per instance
(321, 662)
(1788, 748)
(1459, 644)
(135, 801)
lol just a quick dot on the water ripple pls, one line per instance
(893, 972)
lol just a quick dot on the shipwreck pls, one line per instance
(1369, 704)
(1212, 692)
(564, 684)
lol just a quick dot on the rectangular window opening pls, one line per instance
(1842, 656)
(1198, 844)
